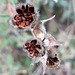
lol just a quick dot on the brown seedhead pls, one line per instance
(25, 16)
(33, 47)
(52, 62)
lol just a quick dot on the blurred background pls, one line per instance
(14, 61)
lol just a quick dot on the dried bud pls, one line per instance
(33, 47)
(25, 16)
(38, 32)
(50, 41)
(39, 29)
(53, 58)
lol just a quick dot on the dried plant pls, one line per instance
(43, 48)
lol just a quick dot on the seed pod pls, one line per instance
(50, 41)
(26, 16)
(33, 47)
(52, 62)
(38, 32)
(39, 29)
(53, 58)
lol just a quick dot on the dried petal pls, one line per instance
(34, 41)
(38, 46)
(19, 11)
(26, 44)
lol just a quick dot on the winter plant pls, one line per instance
(43, 46)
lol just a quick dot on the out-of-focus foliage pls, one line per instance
(14, 61)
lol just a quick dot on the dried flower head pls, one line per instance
(53, 58)
(25, 16)
(52, 62)
(33, 47)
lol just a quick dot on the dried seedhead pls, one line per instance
(52, 62)
(33, 47)
(43, 48)
(53, 58)
(25, 16)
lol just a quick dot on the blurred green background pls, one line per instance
(14, 61)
